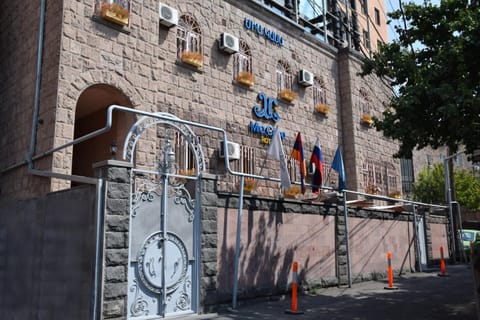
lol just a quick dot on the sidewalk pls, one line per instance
(420, 296)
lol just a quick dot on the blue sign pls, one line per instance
(262, 31)
(267, 110)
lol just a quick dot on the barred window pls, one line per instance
(184, 156)
(406, 168)
(319, 92)
(284, 76)
(364, 103)
(247, 159)
(366, 39)
(379, 177)
(293, 170)
(189, 36)
(242, 60)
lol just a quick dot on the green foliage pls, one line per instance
(430, 187)
(435, 68)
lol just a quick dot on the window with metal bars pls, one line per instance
(379, 177)
(284, 76)
(364, 102)
(242, 60)
(184, 156)
(319, 92)
(189, 36)
(406, 168)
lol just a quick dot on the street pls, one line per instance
(419, 296)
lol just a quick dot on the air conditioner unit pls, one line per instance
(228, 43)
(233, 150)
(305, 78)
(168, 15)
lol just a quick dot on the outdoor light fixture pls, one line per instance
(168, 161)
(113, 150)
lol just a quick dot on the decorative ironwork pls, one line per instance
(144, 123)
(177, 252)
(182, 197)
(139, 307)
(183, 300)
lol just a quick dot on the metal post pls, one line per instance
(237, 244)
(418, 255)
(448, 196)
(345, 214)
(98, 250)
(460, 231)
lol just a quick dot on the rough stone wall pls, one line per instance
(362, 142)
(116, 225)
(140, 60)
(18, 62)
(209, 244)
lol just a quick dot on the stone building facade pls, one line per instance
(89, 63)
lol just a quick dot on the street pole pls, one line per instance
(448, 198)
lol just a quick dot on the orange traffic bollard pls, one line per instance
(390, 272)
(442, 264)
(294, 309)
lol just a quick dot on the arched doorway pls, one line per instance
(91, 115)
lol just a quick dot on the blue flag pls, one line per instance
(338, 166)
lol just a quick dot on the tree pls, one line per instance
(430, 187)
(434, 67)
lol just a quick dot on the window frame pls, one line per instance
(189, 36)
(242, 60)
(283, 76)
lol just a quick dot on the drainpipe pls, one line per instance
(36, 99)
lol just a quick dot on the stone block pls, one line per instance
(115, 290)
(114, 308)
(116, 257)
(115, 240)
(115, 274)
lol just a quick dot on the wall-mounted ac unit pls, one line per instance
(305, 78)
(168, 15)
(233, 150)
(228, 43)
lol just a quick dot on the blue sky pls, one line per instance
(394, 5)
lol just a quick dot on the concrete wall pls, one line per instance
(371, 239)
(439, 239)
(270, 242)
(47, 256)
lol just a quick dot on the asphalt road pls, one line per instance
(419, 296)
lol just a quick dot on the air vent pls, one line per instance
(228, 43)
(233, 150)
(305, 78)
(168, 15)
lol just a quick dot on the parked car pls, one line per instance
(469, 235)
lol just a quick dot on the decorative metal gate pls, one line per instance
(164, 240)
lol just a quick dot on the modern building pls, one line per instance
(113, 121)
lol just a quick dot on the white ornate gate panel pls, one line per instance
(164, 223)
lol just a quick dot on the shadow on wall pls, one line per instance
(371, 261)
(263, 267)
(270, 242)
